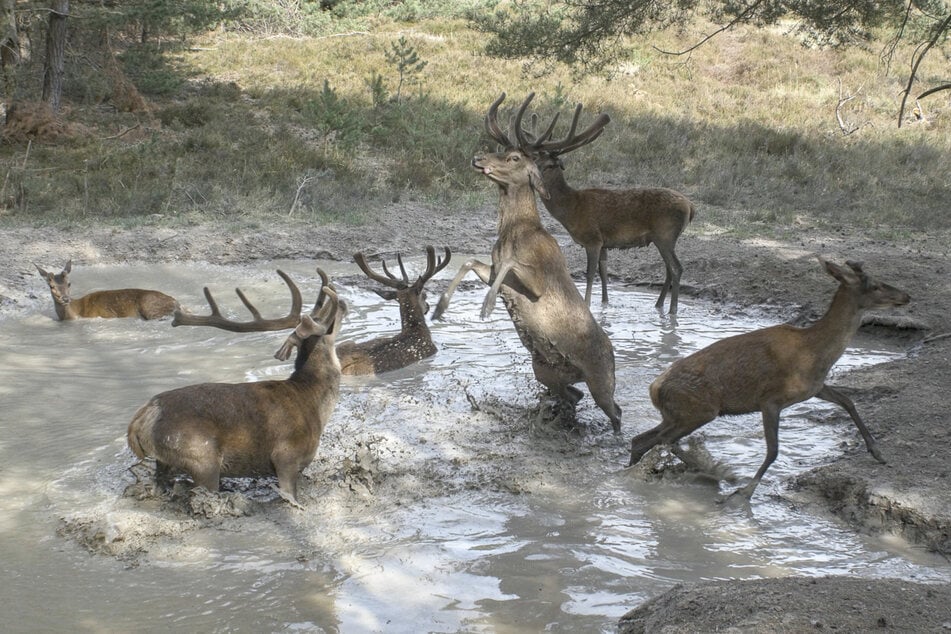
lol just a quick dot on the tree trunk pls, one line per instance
(55, 54)
(9, 46)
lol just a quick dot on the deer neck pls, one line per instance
(411, 317)
(832, 332)
(560, 193)
(517, 208)
(316, 362)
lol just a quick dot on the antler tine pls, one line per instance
(399, 260)
(257, 324)
(573, 141)
(523, 143)
(390, 280)
(492, 124)
(324, 283)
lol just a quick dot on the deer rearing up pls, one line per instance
(126, 302)
(767, 370)
(600, 219)
(214, 430)
(529, 270)
(414, 341)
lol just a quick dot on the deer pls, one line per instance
(767, 370)
(530, 272)
(266, 428)
(375, 356)
(414, 342)
(126, 302)
(599, 219)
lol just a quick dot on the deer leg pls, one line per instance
(488, 304)
(164, 477)
(484, 271)
(832, 395)
(603, 274)
(673, 271)
(771, 432)
(594, 253)
(208, 477)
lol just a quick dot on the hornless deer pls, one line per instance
(600, 219)
(767, 370)
(214, 430)
(528, 268)
(126, 302)
(368, 357)
(413, 342)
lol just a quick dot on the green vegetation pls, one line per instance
(334, 114)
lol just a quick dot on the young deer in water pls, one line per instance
(215, 430)
(126, 302)
(529, 270)
(767, 370)
(414, 341)
(600, 219)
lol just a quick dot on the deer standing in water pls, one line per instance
(600, 219)
(126, 302)
(375, 356)
(767, 370)
(529, 270)
(214, 430)
(414, 341)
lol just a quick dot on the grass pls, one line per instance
(242, 126)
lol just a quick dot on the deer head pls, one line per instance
(58, 282)
(411, 296)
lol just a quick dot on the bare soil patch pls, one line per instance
(905, 403)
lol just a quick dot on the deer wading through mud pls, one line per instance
(767, 370)
(600, 219)
(215, 430)
(530, 272)
(125, 302)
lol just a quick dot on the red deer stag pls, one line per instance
(126, 302)
(767, 370)
(368, 357)
(214, 430)
(529, 270)
(600, 219)
(413, 342)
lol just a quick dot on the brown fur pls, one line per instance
(529, 270)
(214, 430)
(766, 370)
(600, 219)
(126, 302)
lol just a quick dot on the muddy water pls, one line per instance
(441, 499)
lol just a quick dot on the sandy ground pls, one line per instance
(905, 403)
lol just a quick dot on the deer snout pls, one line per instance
(476, 160)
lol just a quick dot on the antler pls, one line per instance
(432, 267)
(572, 141)
(317, 323)
(258, 324)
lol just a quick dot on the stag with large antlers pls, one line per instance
(125, 302)
(215, 430)
(529, 270)
(600, 219)
(414, 341)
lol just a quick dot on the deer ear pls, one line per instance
(535, 180)
(840, 273)
(42, 272)
(69, 266)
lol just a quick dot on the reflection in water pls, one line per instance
(485, 519)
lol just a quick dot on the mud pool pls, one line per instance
(441, 500)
